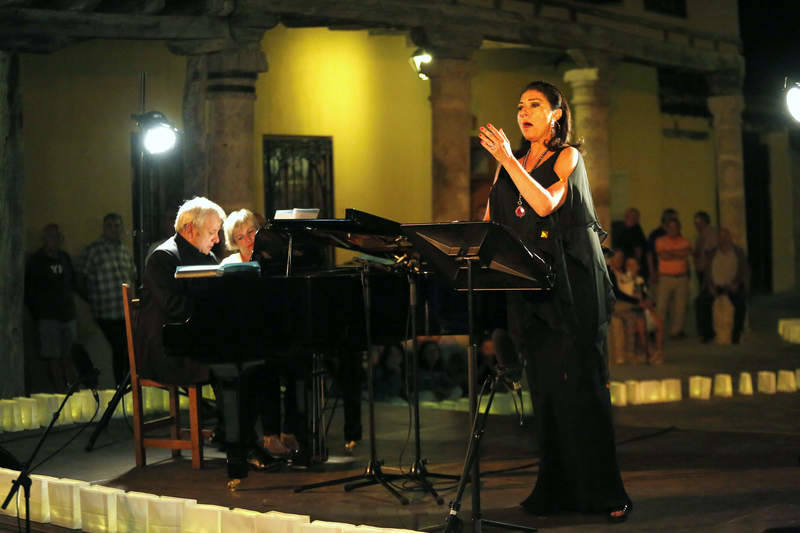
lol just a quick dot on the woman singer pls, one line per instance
(542, 194)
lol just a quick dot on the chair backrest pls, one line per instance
(130, 307)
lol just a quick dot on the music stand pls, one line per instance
(366, 233)
(478, 256)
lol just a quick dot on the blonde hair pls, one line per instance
(195, 211)
(233, 222)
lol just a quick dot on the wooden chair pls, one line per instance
(194, 442)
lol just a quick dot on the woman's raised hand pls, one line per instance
(496, 143)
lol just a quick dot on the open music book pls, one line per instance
(296, 213)
(212, 271)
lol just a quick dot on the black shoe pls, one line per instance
(625, 509)
(258, 459)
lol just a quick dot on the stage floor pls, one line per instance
(725, 464)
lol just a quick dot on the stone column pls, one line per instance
(727, 110)
(451, 119)
(12, 237)
(589, 104)
(450, 73)
(195, 150)
(231, 93)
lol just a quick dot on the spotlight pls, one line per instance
(793, 99)
(158, 134)
(419, 58)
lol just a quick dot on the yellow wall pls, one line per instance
(77, 125)
(783, 216)
(500, 75)
(689, 182)
(652, 171)
(635, 143)
(360, 90)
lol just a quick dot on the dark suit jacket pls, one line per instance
(166, 299)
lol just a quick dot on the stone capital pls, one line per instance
(247, 58)
(726, 109)
(725, 82)
(589, 86)
(587, 58)
(447, 42)
(450, 68)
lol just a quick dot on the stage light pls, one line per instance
(158, 134)
(793, 100)
(418, 59)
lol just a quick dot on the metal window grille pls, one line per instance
(298, 172)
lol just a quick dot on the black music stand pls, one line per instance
(373, 473)
(366, 233)
(478, 256)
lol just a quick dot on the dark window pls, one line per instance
(298, 172)
(676, 8)
(683, 92)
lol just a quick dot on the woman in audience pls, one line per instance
(634, 285)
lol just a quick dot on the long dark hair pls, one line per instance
(562, 128)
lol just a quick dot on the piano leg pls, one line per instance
(318, 445)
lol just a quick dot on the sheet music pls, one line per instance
(297, 213)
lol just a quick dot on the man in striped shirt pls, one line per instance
(105, 265)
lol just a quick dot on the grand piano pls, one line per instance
(288, 305)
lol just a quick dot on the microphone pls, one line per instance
(509, 366)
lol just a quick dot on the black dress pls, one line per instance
(562, 335)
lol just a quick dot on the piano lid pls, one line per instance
(358, 231)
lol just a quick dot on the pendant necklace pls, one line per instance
(520, 211)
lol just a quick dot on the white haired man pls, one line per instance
(166, 299)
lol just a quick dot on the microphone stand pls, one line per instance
(24, 479)
(453, 524)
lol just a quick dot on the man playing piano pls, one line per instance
(166, 299)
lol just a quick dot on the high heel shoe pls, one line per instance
(625, 509)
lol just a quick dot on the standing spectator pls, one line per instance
(631, 239)
(727, 275)
(652, 257)
(703, 247)
(106, 264)
(673, 252)
(49, 283)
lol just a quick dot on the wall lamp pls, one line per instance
(417, 61)
(792, 98)
(158, 133)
